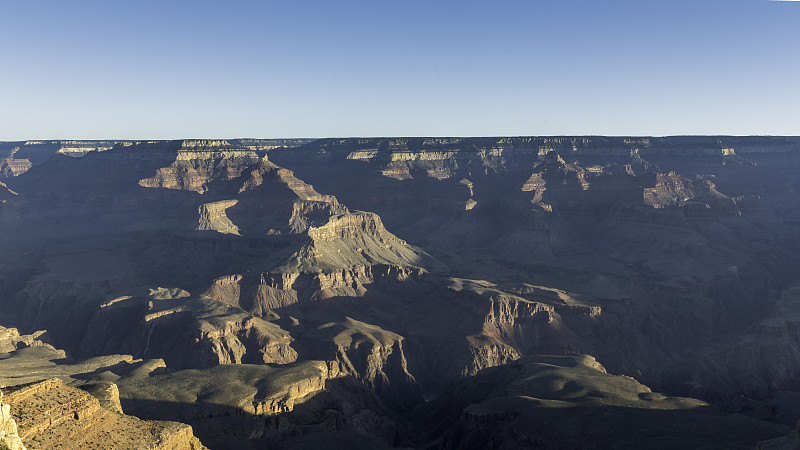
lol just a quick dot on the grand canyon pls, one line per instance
(429, 293)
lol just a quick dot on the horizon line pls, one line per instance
(399, 136)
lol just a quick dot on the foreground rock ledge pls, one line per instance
(51, 415)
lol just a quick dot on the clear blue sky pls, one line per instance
(174, 69)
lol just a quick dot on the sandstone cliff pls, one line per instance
(51, 415)
(9, 434)
(199, 163)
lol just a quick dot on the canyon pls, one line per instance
(432, 293)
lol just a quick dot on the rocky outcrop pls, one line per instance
(105, 392)
(54, 416)
(525, 320)
(10, 167)
(271, 200)
(261, 294)
(369, 354)
(25, 359)
(672, 189)
(227, 390)
(201, 162)
(352, 240)
(250, 396)
(185, 331)
(213, 217)
(9, 434)
(11, 340)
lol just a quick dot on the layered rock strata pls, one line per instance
(51, 415)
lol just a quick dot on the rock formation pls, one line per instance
(9, 434)
(51, 415)
(370, 277)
